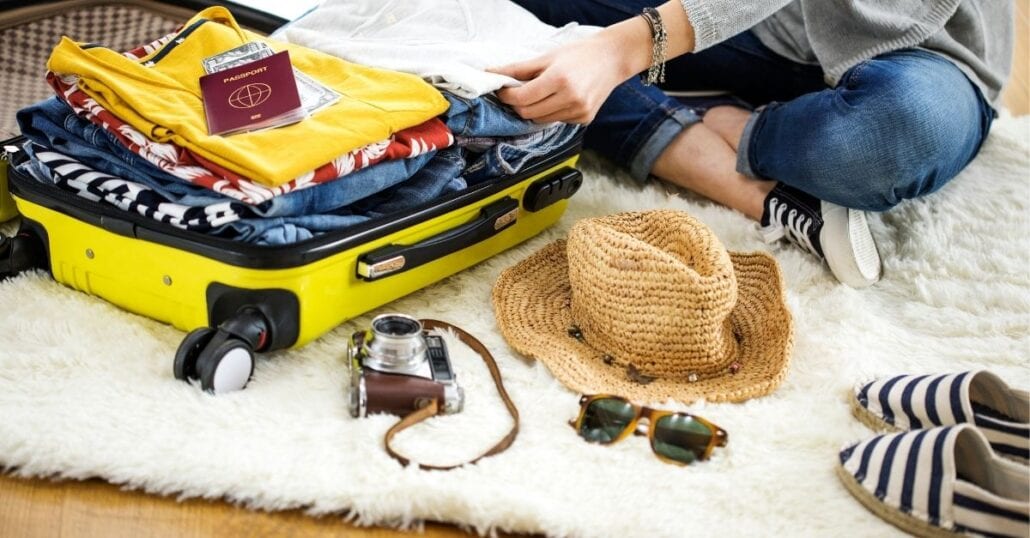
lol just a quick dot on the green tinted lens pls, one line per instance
(605, 419)
(681, 438)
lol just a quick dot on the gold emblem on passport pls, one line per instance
(250, 95)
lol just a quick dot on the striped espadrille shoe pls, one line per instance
(911, 402)
(939, 482)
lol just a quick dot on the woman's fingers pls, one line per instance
(536, 88)
(530, 93)
(526, 70)
(550, 105)
(561, 101)
(569, 103)
(557, 107)
(568, 84)
(566, 115)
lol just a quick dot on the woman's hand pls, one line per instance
(568, 84)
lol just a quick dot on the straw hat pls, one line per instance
(649, 306)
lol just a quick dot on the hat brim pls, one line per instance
(532, 304)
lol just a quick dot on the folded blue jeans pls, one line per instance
(52, 124)
(439, 177)
(498, 142)
(135, 184)
(508, 156)
(229, 217)
(897, 126)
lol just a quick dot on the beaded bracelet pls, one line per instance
(656, 72)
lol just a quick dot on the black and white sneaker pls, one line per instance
(834, 233)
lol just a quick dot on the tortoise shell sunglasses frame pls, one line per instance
(718, 438)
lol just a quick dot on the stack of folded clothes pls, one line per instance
(129, 129)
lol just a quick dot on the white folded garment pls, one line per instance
(449, 43)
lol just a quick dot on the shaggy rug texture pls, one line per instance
(86, 390)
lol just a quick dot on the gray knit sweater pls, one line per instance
(976, 35)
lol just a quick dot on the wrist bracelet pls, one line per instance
(660, 39)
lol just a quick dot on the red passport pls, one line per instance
(257, 95)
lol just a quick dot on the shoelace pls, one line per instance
(795, 227)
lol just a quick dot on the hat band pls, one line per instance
(636, 376)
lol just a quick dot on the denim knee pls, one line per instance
(896, 127)
(883, 180)
(935, 124)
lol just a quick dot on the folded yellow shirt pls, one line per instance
(160, 95)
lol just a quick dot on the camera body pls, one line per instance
(396, 367)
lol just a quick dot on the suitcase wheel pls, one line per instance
(222, 359)
(185, 365)
(221, 362)
(20, 253)
(227, 367)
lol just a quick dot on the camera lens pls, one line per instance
(396, 345)
(396, 325)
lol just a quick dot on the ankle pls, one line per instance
(760, 208)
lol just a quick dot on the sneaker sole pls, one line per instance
(867, 417)
(855, 262)
(899, 519)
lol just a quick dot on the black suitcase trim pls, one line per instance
(257, 256)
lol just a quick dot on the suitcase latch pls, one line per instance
(552, 189)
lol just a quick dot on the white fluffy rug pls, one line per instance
(86, 390)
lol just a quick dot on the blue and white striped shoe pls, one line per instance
(939, 482)
(911, 402)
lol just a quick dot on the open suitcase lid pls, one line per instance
(30, 29)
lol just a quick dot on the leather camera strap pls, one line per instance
(434, 405)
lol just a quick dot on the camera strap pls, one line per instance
(433, 408)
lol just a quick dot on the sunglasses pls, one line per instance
(678, 438)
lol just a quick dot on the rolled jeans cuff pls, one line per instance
(665, 130)
(744, 145)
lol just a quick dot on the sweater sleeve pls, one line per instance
(715, 21)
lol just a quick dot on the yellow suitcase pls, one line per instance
(238, 298)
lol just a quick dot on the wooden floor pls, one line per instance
(1017, 94)
(38, 508)
(42, 509)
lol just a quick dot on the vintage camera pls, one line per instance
(396, 367)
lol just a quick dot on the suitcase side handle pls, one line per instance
(394, 259)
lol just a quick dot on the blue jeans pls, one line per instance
(898, 126)
(53, 124)
(225, 217)
(439, 177)
(379, 190)
(507, 156)
(497, 141)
